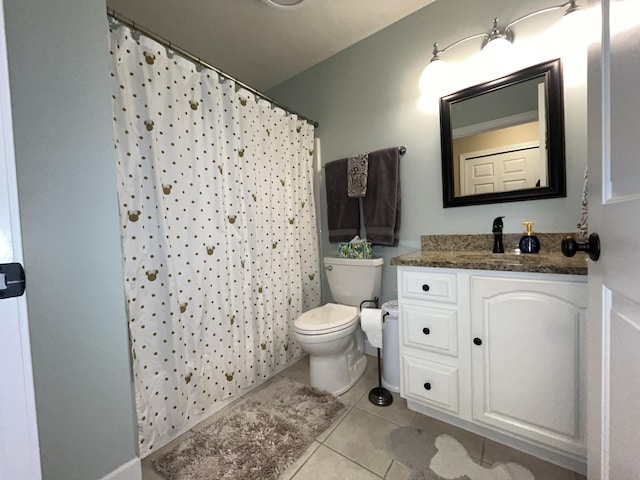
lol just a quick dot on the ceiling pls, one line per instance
(260, 45)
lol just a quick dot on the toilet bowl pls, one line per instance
(331, 335)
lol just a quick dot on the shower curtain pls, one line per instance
(218, 229)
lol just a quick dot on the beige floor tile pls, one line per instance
(397, 472)
(299, 371)
(472, 442)
(360, 437)
(329, 465)
(323, 436)
(397, 412)
(293, 469)
(496, 452)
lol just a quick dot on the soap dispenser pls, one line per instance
(529, 243)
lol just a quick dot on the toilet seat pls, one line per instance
(328, 318)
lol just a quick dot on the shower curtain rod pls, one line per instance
(189, 56)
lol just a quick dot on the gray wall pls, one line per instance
(67, 191)
(366, 97)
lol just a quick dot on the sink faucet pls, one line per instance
(498, 247)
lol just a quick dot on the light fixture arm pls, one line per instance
(572, 4)
(437, 51)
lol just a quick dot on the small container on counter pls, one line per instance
(529, 243)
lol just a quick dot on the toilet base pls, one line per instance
(336, 377)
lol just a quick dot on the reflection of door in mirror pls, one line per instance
(499, 140)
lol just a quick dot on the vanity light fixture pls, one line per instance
(497, 39)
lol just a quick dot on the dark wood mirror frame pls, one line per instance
(552, 71)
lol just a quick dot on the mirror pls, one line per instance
(503, 141)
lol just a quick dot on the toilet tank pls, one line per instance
(353, 280)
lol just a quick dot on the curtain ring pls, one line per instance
(135, 34)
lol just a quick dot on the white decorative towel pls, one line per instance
(583, 225)
(357, 173)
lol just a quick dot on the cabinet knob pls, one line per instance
(425, 288)
(426, 331)
(477, 341)
(427, 386)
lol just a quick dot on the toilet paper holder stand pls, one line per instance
(379, 395)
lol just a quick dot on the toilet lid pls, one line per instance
(325, 319)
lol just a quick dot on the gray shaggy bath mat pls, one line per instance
(258, 438)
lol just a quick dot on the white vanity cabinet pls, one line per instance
(498, 353)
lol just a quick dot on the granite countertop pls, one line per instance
(473, 252)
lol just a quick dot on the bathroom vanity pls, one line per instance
(494, 343)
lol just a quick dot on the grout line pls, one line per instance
(292, 477)
(333, 428)
(388, 469)
(356, 463)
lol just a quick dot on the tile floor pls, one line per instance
(353, 447)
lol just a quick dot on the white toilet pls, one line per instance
(331, 334)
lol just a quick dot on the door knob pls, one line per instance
(11, 280)
(570, 246)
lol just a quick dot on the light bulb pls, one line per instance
(497, 47)
(496, 58)
(572, 29)
(433, 77)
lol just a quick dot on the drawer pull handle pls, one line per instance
(477, 341)
(426, 331)
(425, 288)
(427, 386)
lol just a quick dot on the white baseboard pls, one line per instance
(131, 470)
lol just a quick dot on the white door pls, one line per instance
(613, 331)
(19, 452)
(500, 170)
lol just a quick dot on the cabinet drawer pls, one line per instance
(435, 287)
(434, 329)
(431, 383)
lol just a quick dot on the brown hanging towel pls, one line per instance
(343, 213)
(381, 206)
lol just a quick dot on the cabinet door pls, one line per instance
(527, 358)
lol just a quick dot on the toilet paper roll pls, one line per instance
(371, 321)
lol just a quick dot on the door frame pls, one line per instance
(19, 447)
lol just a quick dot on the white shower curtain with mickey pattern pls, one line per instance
(219, 233)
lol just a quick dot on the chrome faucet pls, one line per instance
(498, 247)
